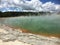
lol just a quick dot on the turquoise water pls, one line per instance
(37, 24)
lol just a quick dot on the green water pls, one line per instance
(37, 24)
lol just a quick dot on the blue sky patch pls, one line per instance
(53, 1)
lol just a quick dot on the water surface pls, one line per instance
(36, 24)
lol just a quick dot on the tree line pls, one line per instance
(13, 14)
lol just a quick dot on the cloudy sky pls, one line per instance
(30, 5)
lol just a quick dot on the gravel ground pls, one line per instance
(8, 34)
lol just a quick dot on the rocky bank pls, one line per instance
(8, 34)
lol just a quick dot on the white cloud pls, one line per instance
(57, 8)
(49, 6)
(34, 5)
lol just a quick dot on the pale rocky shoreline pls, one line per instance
(10, 36)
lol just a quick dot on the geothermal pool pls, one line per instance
(49, 24)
